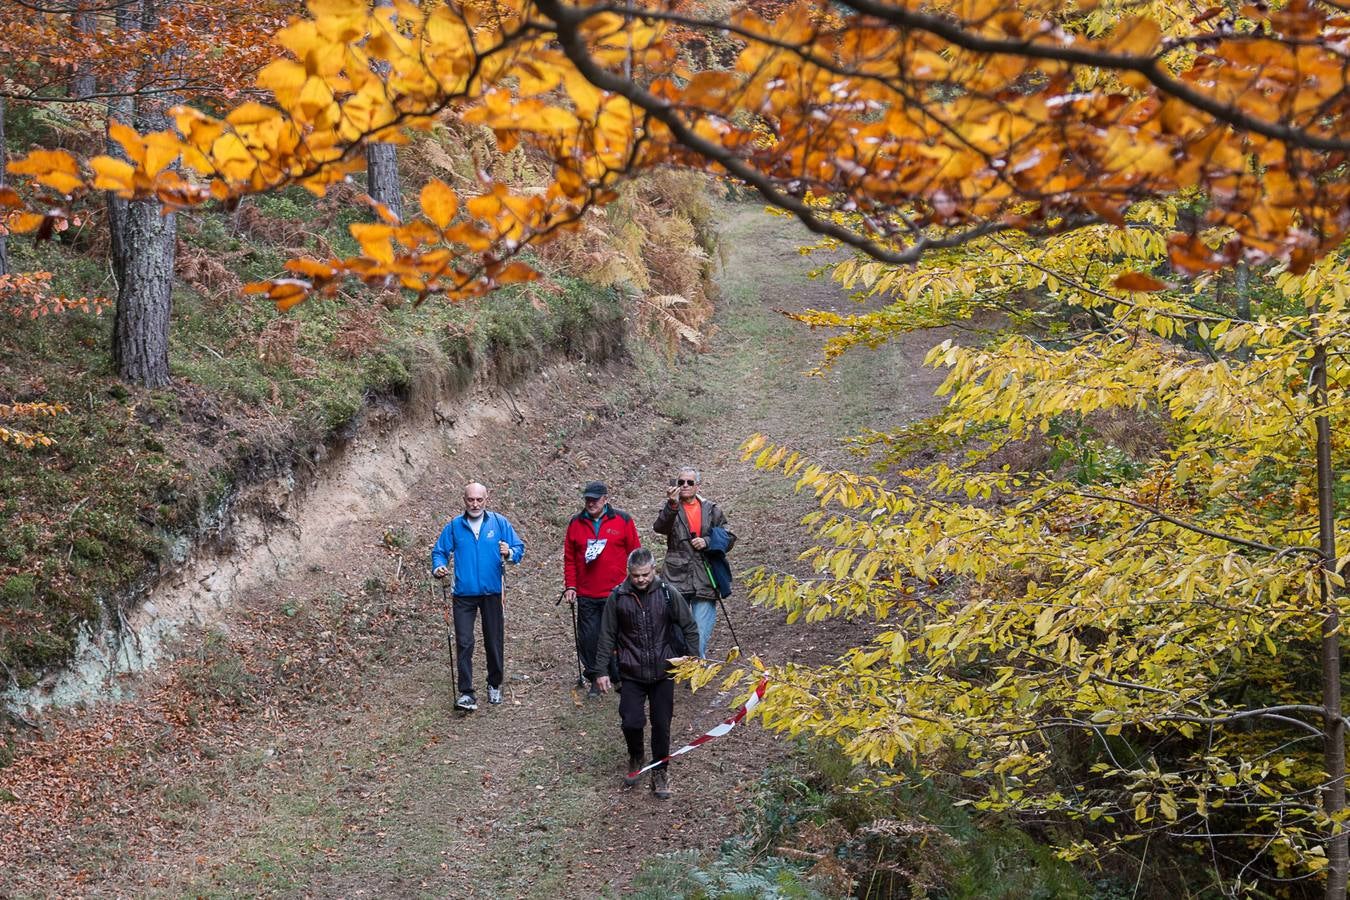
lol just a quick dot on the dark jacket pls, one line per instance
(685, 568)
(645, 630)
(599, 576)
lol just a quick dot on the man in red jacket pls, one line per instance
(595, 559)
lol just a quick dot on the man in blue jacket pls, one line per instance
(481, 543)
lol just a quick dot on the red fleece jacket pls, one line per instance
(599, 576)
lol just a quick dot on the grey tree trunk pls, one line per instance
(4, 159)
(1333, 729)
(143, 257)
(143, 246)
(82, 82)
(382, 180)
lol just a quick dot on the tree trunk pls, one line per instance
(1243, 303)
(382, 181)
(4, 160)
(82, 82)
(144, 240)
(143, 257)
(1333, 794)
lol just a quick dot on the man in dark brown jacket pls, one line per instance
(685, 519)
(646, 624)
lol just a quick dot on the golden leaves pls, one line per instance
(56, 169)
(863, 117)
(27, 440)
(1135, 36)
(439, 203)
(284, 292)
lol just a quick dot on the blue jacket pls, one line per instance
(478, 562)
(720, 542)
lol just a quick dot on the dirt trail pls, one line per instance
(312, 751)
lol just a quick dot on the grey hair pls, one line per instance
(639, 558)
(698, 476)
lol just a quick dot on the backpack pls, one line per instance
(677, 641)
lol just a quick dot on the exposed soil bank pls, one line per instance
(265, 530)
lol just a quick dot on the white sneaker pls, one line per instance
(466, 702)
(494, 695)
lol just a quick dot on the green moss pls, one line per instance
(89, 548)
(18, 589)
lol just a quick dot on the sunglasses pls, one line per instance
(686, 481)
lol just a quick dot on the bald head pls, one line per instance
(475, 499)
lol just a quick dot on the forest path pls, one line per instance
(317, 753)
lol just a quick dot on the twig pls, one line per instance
(794, 853)
(520, 416)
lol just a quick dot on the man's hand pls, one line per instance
(672, 494)
(676, 660)
(440, 572)
(602, 684)
(699, 543)
(570, 595)
(505, 549)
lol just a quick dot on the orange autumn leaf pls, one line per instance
(515, 272)
(439, 203)
(56, 169)
(25, 222)
(1138, 281)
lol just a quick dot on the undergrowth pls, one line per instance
(815, 830)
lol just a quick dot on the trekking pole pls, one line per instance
(449, 628)
(576, 641)
(735, 640)
(511, 691)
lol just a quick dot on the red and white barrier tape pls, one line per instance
(716, 731)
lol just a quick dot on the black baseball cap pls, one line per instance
(594, 489)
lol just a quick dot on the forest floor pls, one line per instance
(310, 748)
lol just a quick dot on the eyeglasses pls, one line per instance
(686, 482)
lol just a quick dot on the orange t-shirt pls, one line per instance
(694, 513)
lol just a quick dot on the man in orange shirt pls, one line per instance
(685, 519)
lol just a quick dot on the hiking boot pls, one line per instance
(494, 695)
(661, 784)
(630, 775)
(466, 703)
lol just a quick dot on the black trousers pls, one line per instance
(589, 611)
(637, 695)
(494, 627)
